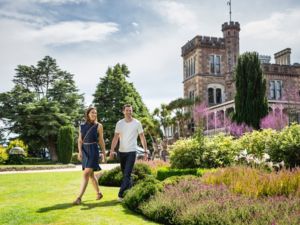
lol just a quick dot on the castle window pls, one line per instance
(218, 96)
(192, 94)
(215, 64)
(215, 93)
(211, 99)
(275, 89)
(189, 67)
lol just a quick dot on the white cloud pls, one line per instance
(273, 34)
(61, 2)
(73, 32)
(176, 13)
(135, 24)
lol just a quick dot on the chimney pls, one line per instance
(283, 57)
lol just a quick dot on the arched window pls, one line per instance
(218, 95)
(211, 99)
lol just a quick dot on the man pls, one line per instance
(127, 130)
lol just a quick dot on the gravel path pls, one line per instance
(77, 168)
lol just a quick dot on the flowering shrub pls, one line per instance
(3, 155)
(219, 151)
(256, 141)
(186, 153)
(256, 183)
(189, 201)
(289, 146)
(258, 162)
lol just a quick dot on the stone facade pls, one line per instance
(208, 64)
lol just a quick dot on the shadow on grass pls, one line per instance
(85, 206)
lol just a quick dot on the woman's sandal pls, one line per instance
(99, 196)
(77, 201)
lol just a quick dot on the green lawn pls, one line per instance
(45, 198)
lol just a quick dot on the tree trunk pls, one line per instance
(52, 149)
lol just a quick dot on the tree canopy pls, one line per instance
(112, 93)
(43, 99)
(250, 100)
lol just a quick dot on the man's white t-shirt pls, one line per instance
(128, 133)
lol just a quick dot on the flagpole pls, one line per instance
(229, 3)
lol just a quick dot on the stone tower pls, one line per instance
(231, 33)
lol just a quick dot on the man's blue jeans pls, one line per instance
(127, 161)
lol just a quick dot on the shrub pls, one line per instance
(74, 158)
(141, 193)
(289, 149)
(164, 173)
(114, 176)
(65, 144)
(189, 201)
(256, 183)
(17, 143)
(155, 165)
(3, 155)
(256, 142)
(219, 151)
(186, 153)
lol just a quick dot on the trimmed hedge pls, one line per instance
(65, 144)
(114, 176)
(164, 173)
(141, 192)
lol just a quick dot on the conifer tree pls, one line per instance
(250, 100)
(112, 93)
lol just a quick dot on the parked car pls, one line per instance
(140, 154)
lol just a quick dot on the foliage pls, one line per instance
(43, 99)
(74, 158)
(256, 183)
(141, 192)
(3, 155)
(289, 146)
(256, 142)
(182, 116)
(219, 151)
(17, 143)
(250, 101)
(186, 153)
(189, 201)
(164, 173)
(258, 162)
(114, 176)
(155, 165)
(275, 121)
(112, 93)
(65, 144)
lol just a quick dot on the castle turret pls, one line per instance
(232, 44)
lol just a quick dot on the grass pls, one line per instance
(46, 198)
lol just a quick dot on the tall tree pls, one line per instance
(43, 99)
(111, 94)
(251, 103)
(181, 109)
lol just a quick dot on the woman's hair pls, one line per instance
(86, 115)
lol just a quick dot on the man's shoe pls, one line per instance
(120, 199)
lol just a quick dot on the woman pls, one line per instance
(90, 133)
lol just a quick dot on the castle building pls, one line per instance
(208, 65)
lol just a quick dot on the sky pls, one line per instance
(88, 36)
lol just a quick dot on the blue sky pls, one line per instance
(87, 36)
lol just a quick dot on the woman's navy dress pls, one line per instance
(90, 148)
